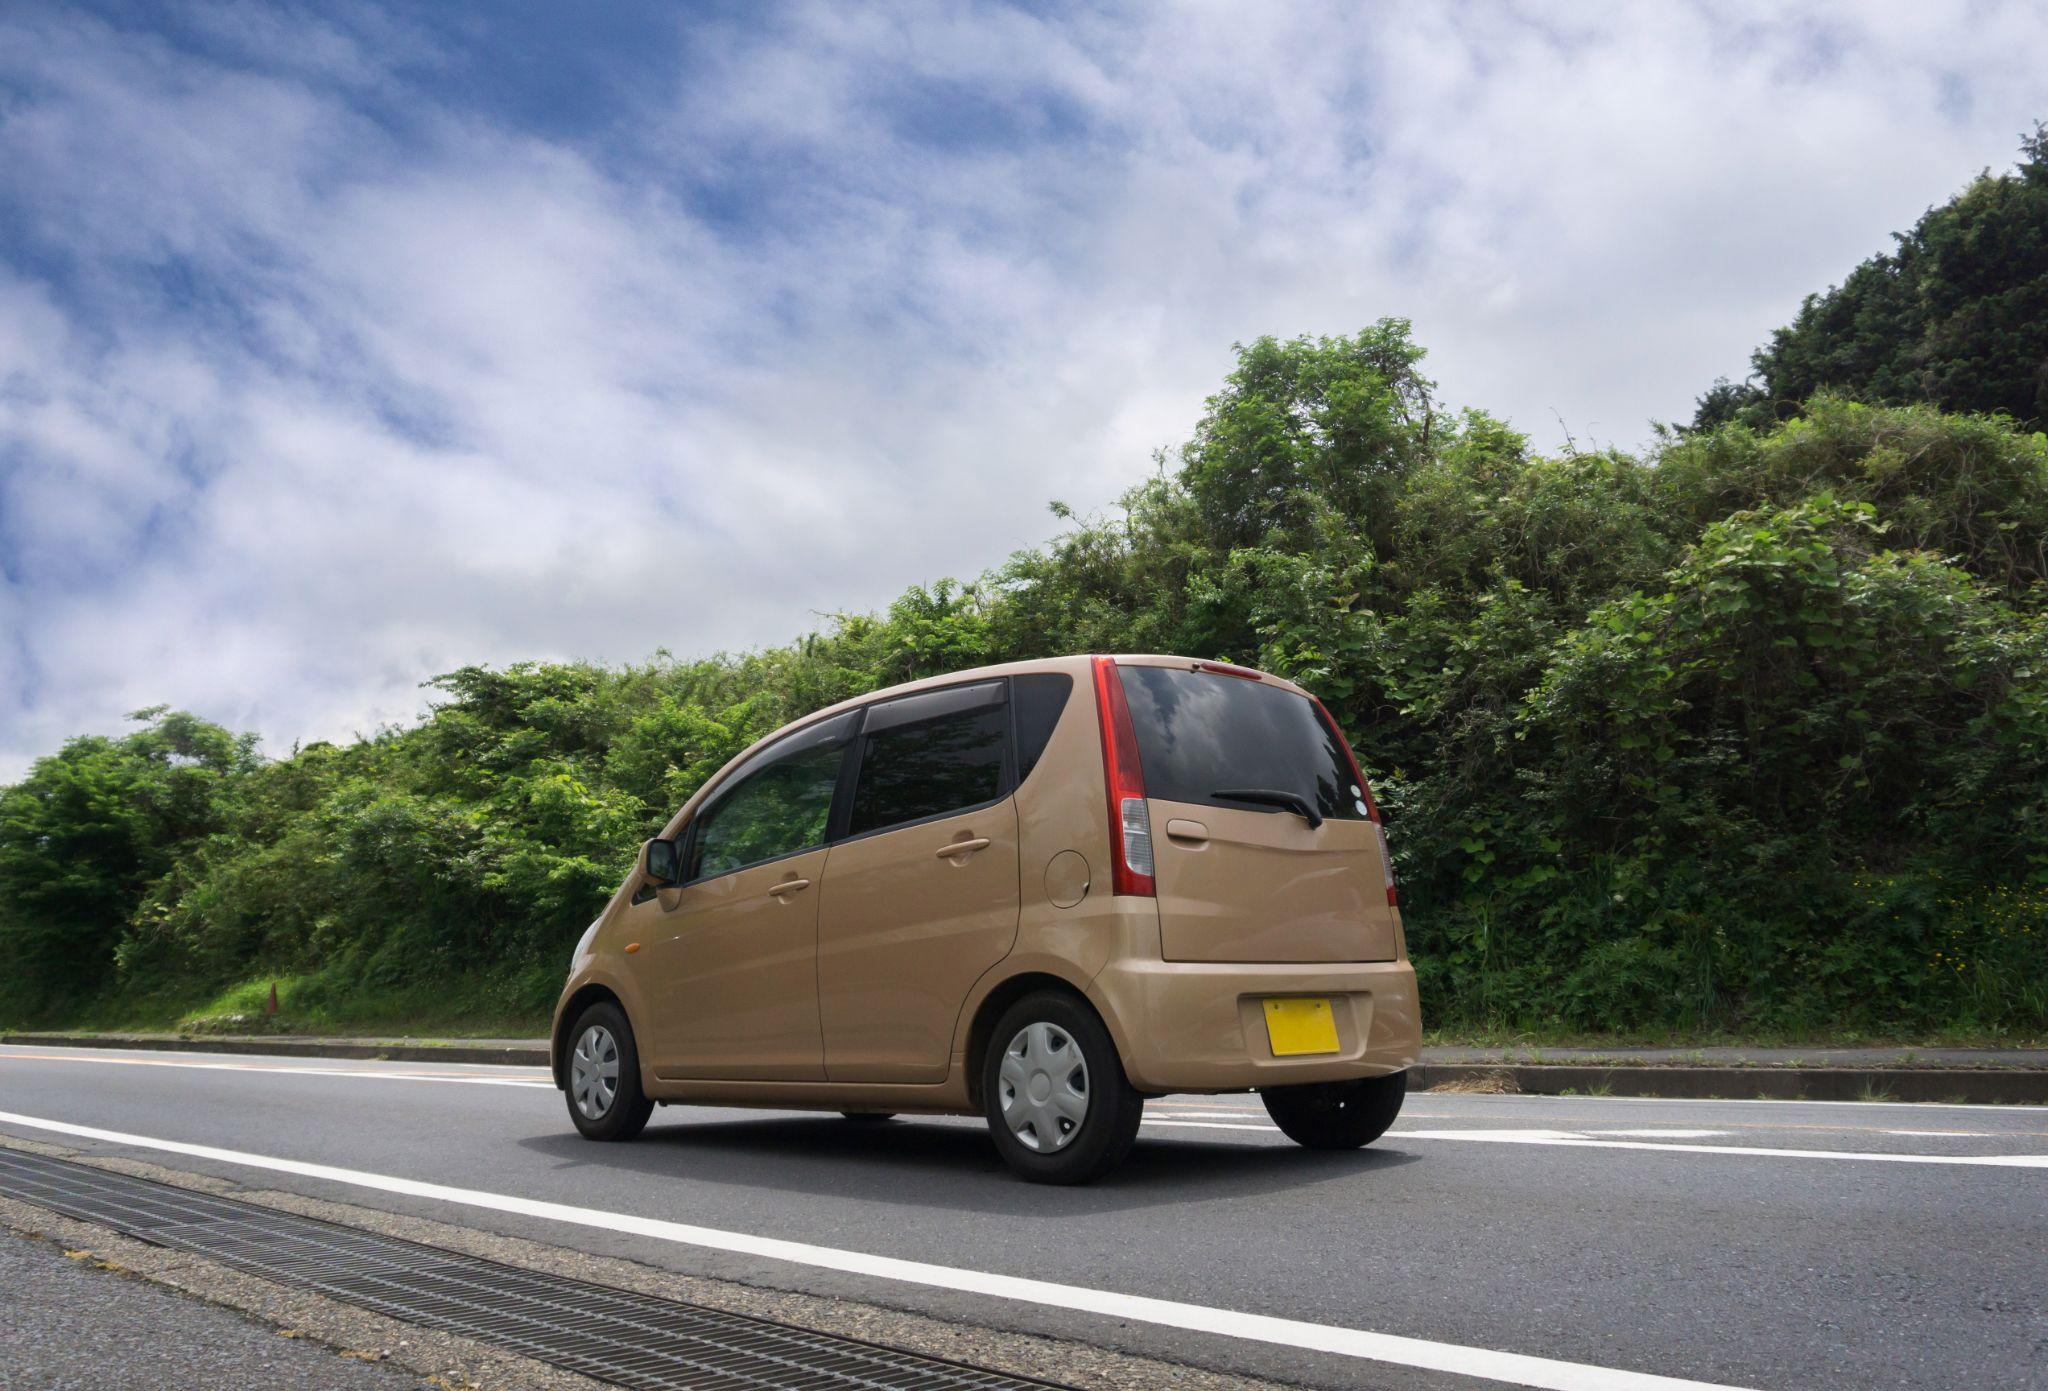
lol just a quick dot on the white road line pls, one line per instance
(1198, 1113)
(291, 1070)
(1572, 1139)
(1513, 1368)
(1872, 1106)
(1198, 1120)
(1569, 1140)
(1949, 1134)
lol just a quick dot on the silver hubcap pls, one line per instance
(1044, 1083)
(594, 1072)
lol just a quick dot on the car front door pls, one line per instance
(733, 982)
(921, 896)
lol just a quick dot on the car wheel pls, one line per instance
(1054, 1090)
(1337, 1115)
(605, 1100)
(869, 1117)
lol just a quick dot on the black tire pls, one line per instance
(626, 1112)
(869, 1117)
(1337, 1115)
(1108, 1125)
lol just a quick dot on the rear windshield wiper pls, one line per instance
(1266, 796)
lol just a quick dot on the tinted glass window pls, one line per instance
(930, 768)
(1038, 699)
(778, 809)
(1200, 734)
(930, 705)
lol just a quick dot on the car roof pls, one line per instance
(1077, 666)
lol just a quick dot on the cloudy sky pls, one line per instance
(341, 345)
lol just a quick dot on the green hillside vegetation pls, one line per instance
(1956, 316)
(1749, 735)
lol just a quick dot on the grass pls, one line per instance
(1478, 1084)
(514, 1005)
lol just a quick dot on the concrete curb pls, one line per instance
(1980, 1086)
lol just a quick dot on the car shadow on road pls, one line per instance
(923, 1163)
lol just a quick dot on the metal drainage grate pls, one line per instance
(614, 1335)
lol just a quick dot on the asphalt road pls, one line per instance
(1737, 1243)
(72, 1327)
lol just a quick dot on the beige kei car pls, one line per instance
(1040, 892)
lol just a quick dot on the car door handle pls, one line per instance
(1180, 829)
(788, 886)
(962, 847)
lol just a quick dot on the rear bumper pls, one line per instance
(1201, 1026)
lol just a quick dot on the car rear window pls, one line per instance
(1200, 733)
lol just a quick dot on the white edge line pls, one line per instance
(1183, 1111)
(290, 1071)
(1736, 1100)
(2007, 1108)
(1518, 1369)
(1175, 1121)
(1503, 1137)
(1948, 1134)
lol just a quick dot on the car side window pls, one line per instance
(927, 755)
(1038, 698)
(779, 807)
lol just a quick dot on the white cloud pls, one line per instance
(301, 403)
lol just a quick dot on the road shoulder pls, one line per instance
(456, 1362)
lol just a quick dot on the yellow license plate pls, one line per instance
(1300, 1026)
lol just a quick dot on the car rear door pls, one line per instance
(1247, 878)
(921, 896)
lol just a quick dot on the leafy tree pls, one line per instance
(1956, 316)
(1308, 433)
(87, 833)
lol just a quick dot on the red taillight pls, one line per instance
(1226, 669)
(1130, 822)
(1372, 806)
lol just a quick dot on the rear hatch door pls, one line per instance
(1250, 878)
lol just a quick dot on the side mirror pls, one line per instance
(663, 864)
